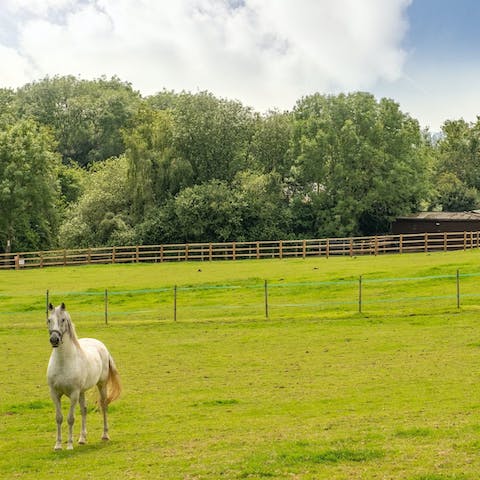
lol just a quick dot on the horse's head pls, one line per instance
(58, 323)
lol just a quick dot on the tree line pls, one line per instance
(93, 162)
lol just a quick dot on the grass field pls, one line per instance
(317, 391)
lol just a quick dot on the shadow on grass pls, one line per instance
(78, 450)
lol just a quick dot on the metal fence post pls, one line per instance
(266, 299)
(458, 288)
(175, 303)
(106, 306)
(360, 294)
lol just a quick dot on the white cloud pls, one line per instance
(16, 70)
(36, 7)
(266, 53)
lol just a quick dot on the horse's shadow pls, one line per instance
(79, 450)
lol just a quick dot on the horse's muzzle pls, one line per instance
(55, 339)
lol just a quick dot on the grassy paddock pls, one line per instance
(314, 392)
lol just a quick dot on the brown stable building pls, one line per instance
(437, 222)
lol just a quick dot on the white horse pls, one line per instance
(75, 366)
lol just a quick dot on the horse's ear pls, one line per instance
(50, 307)
(62, 306)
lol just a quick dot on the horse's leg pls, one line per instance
(71, 418)
(83, 409)
(104, 405)
(58, 417)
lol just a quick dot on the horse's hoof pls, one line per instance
(69, 446)
(82, 441)
(105, 437)
(57, 447)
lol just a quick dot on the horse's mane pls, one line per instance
(71, 329)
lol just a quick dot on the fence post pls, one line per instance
(175, 303)
(266, 299)
(47, 302)
(458, 288)
(360, 294)
(106, 306)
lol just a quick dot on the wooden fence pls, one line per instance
(351, 246)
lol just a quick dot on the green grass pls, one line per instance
(318, 391)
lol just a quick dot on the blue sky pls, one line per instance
(265, 53)
(441, 73)
(445, 30)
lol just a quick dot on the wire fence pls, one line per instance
(256, 300)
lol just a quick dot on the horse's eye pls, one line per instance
(63, 320)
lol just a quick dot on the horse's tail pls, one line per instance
(114, 386)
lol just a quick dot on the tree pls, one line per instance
(101, 214)
(207, 213)
(271, 143)
(363, 161)
(86, 116)
(459, 151)
(263, 206)
(213, 135)
(155, 170)
(72, 180)
(452, 195)
(29, 190)
(7, 97)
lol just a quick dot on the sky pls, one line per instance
(424, 54)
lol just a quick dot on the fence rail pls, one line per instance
(348, 246)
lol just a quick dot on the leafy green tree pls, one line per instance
(101, 214)
(155, 170)
(207, 213)
(7, 98)
(253, 207)
(158, 225)
(452, 195)
(263, 206)
(86, 116)
(164, 100)
(364, 162)
(213, 135)
(72, 179)
(29, 190)
(459, 151)
(271, 143)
